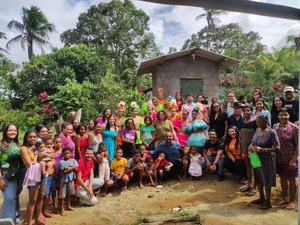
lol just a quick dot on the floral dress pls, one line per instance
(195, 169)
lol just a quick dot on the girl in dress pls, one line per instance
(147, 132)
(110, 137)
(179, 127)
(195, 169)
(104, 119)
(81, 140)
(104, 171)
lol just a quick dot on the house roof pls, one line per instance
(149, 66)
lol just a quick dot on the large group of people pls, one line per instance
(165, 138)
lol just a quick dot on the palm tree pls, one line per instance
(34, 29)
(2, 36)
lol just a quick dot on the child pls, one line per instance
(138, 141)
(161, 165)
(46, 163)
(195, 169)
(150, 171)
(67, 166)
(118, 168)
(144, 153)
(147, 131)
(102, 158)
(136, 168)
(186, 160)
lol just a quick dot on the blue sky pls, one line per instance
(172, 25)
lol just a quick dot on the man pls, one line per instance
(85, 182)
(189, 105)
(230, 102)
(172, 151)
(290, 101)
(216, 157)
(236, 119)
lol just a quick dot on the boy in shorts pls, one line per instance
(118, 168)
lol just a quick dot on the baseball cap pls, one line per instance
(237, 105)
(289, 88)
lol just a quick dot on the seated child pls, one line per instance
(144, 153)
(67, 166)
(195, 169)
(186, 160)
(150, 171)
(102, 158)
(162, 165)
(136, 168)
(46, 163)
(118, 168)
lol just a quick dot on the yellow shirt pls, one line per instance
(118, 166)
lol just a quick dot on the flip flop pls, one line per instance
(245, 189)
(252, 192)
(282, 202)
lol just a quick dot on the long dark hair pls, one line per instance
(5, 140)
(25, 143)
(260, 95)
(212, 111)
(274, 109)
(107, 127)
(229, 138)
(104, 111)
(79, 127)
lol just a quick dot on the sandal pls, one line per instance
(257, 201)
(283, 202)
(245, 189)
(252, 192)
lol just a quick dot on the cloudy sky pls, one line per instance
(172, 25)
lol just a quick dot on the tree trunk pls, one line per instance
(30, 48)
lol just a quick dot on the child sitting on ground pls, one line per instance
(46, 163)
(144, 153)
(150, 171)
(102, 158)
(68, 166)
(118, 168)
(136, 168)
(161, 165)
(195, 169)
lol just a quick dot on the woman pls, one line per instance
(91, 126)
(110, 137)
(203, 112)
(162, 125)
(265, 142)
(104, 118)
(36, 191)
(234, 162)
(260, 109)
(247, 131)
(119, 122)
(218, 120)
(129, 137)
(256, 94)
(66, 137)
(179, 101)
(276, 105)
(42, 132)
(287, 158)
(197, 130)
(12, 172)
(81, 140)
(173, 112)
(135, 116)
(179, 127)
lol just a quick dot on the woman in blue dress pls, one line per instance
(197, 130)
(110, 137)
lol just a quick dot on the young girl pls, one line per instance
(161, 165)
(67, 166)
(147, 132)
(104, 171)
(150, 171)
(195, 169)
(45, 163)
(138, 141)
(129, 137)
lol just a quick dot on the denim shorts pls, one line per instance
(50, 184)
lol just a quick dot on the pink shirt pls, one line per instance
(68, 142)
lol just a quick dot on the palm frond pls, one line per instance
(14, 41)
(13, 24)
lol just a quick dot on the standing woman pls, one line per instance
(104, 118)
(110, 137)
(276, 106)
(260, 109)
(119, 122)
(129, 137)
(66, 137)
(256, 94)
(265, 142)
(81, 140)
(42, 132)
(218, 120)
(135, 115)
(91, 126)
(36, 190)
(287, 158)
(179, 101)
(12, 172)
(179, 127)
(162, 125)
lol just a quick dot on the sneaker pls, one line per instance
(19, 220)
(220, 177)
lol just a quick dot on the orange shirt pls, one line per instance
(234, 151)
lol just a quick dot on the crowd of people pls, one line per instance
(171, 138)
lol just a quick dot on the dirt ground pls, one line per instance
(217, 203)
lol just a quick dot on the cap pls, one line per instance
(237, 105)
(289, 88)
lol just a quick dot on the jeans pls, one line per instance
(220, 163)
(11, 204)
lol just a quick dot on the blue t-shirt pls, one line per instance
(66, 177)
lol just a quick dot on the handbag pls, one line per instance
(12, 174)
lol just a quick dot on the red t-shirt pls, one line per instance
(85, 169)
(161, 164)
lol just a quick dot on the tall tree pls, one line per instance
(34, 29)
(2, 36)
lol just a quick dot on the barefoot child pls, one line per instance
(135, 168)
(162, 165)
(46, 162)
(186, 160)
(68, 166)
(144, 153)
(102, 158)
(195, 169)
(150, 171)
(118, 168)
